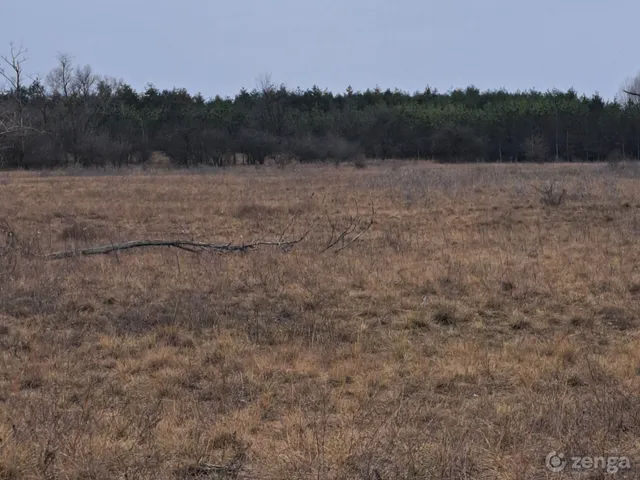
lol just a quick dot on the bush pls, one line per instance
(551, 194)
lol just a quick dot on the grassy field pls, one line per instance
(482, 321)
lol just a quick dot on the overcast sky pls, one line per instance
(217, 47)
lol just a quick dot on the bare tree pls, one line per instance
(264, 84)
(84, 81)
(14, 120)
(61, 79)
(630, 91)
(273, 103)
(11, 70)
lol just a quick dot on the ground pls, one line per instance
(484, 320)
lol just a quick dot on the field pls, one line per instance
(484, 319)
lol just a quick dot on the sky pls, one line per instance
(216, 48)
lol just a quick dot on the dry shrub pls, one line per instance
(360, 161)
(551, 194)
(159, 160)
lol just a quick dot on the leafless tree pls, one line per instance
(264, 84)
(84, 81)
(12, 71)
(61, 79)
(631, 90)
(13, 119)
(273, 103)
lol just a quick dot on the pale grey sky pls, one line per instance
(216, 47)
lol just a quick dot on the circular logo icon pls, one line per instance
(555, 461)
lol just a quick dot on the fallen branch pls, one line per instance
(187, 245)
(340, 239)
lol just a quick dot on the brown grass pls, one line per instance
(472, 330)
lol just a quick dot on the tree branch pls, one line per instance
(188, 245)
(355, 222)
(12, 71)
(356, 227)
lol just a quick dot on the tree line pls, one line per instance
(74, 116)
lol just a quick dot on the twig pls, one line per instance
(550, 196)
(355, 222)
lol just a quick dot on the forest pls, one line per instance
(75, 116)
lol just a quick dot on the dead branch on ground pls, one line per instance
(188, 245)
(340, 239)
(357, 222)
(284, 242)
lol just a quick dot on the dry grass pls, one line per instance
(473, 329)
